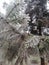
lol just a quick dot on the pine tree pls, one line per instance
(17, 43)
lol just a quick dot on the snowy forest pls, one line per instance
(24, 32)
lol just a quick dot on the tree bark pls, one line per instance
(42, 61)
(40, 31)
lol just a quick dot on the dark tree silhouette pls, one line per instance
(37, 8)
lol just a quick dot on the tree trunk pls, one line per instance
(42, 61)
(40, 31)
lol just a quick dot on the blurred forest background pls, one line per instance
(24, 32)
